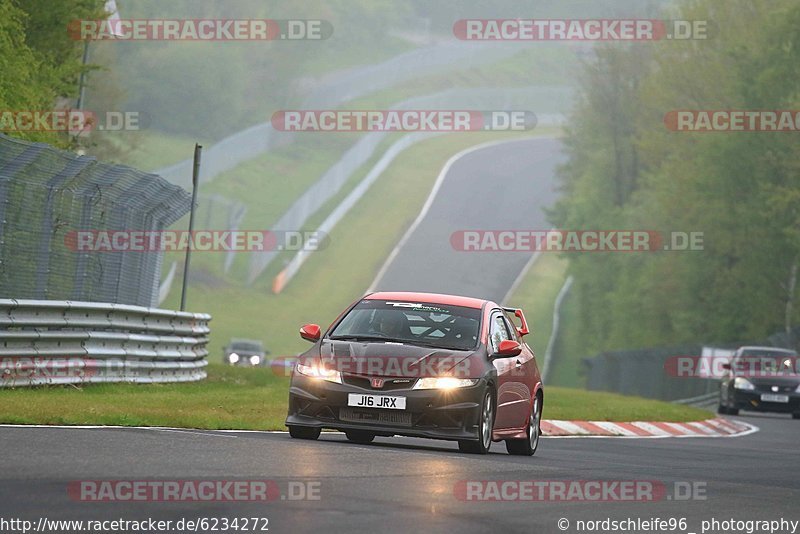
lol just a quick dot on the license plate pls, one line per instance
(378, 417)
(766, 397)
(358, 400)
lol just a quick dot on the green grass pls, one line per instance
(335, 276)
(577, 404)
(229, 398)
(256, 399)
(148, 150)
(536, 295)
(568, 352)
(547, 68)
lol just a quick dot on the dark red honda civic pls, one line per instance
(423, 365)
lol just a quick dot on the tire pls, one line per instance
(485, 426)
(304, 432)
(726, 410)
(528, 446)
(359, 436)
(796, 416)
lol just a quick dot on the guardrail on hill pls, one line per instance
(64, 342)
(701, 401)
(332, 181)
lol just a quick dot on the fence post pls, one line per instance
(195, 179)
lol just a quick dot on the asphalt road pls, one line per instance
(499, 187)
(398, 484)
(406, 484)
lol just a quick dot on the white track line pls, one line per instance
(432, 196)
(615, 428)
(521, 276)
(748, 429)
(652, 429)
(570, 427)
(195, 432)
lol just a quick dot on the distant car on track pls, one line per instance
(424, 365)
(245, 352)
(763, 379)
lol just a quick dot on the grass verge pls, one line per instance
(335, 276)
(568, 353)
(536, 295)
(256, 399)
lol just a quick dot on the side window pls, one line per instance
(512, 327)
(498, 331)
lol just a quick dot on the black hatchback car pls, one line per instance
(422, 365)
(763, 379)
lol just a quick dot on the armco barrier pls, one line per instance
(332, 181)
(63, 342)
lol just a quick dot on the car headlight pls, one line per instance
(797, 390)
(315, 371)
(742, 383)
(444, 382)
(255, 360)
(233, 357)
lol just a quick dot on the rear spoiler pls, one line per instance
(522, 330)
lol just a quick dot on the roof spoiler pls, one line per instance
(522, 330)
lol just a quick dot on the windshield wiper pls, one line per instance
(362, 338)
(420, 343)
(431, 344)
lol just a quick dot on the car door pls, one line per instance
(526, 367)
(513, 394)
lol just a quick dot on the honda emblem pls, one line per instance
(377, 383)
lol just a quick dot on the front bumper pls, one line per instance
(751, 400)
(437, 414)
(244, 361)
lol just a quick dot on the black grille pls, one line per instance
(380, 417)
(389, 384)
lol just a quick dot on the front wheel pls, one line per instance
(528, 445)
(485, 426)
(304, 432)
(796, 416)
(359, 436)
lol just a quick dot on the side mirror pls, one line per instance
(522, 329)
(310, 332)
(507, 349)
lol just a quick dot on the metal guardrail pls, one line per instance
(47, 195)
(700, 401)
(64, 342)
(334, 179)
(551, 343)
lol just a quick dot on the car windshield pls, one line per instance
(766, 361)
(418, 323)
(245, 346)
